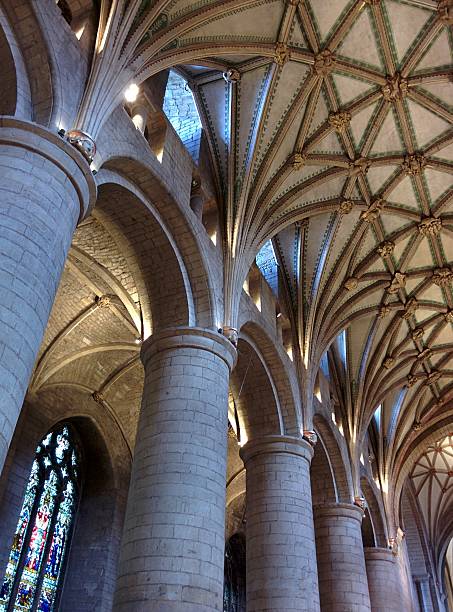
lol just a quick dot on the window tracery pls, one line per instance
(36, 562)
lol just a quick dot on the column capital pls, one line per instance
(375, 553)
(276, 444)
(40, 141)
(191, 337)
(338, 509)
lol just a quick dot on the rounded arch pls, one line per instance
(323, 485)
(337, 457)
(15, 97)
(164, 290)
(375, 512)
(281, 375)
(254, 395)
(106, 468)
(193, 251)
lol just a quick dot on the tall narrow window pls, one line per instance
(36, 562)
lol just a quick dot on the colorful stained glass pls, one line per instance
(37, 556)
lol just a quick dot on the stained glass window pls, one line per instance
(40, 544)
(234, 577)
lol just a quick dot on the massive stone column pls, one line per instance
(45, 187)
(281, 554)
(384, 580)
(172, 551)
(343, 584)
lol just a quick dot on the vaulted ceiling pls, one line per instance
(432, 477)
(330, 128)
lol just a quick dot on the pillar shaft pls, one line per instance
(343, 584)
(172, 552)
(281, 554)
(384, 580)
(45, 187)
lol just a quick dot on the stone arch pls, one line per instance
(282, 379)
(323, 486)
(203, 284)
(254, 395)
(15, 97)
(375, 513)
(106, 468)
(337, 456)
(162, 281)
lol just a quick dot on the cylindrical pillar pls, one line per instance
(343, 585)
(45, 187)
(172, 551)
(281, 554)
(384, 580)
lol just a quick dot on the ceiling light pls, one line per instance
(131, 92)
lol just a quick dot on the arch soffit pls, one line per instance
(15, 83)
(157, 268)
(254, 393)
(281, 374)
(338, 458)
(376, 511)
(193, 249)
(61, 405)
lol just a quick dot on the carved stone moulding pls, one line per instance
(358, 166)
(298, 160)
(386, 248)
(324, 63)
(231, 334)
(449, 316)
(433, 377)
(98, 397)
(383, 311)
(424, 355)
(409, 308)
(388, 362)
(310, 436)
(232, 75)
(442, 277)
(345, 207)
(373, 211)
(104, 301)
(417, 334)
(398, 282)
(82, 142)
(416, 426)
(445, 11)
(396, 88)
(413, 164)
(430, 226)
(282, 54)
(372, 2)
(412, 380)
(340, 120)
(351, 283)
(360, 502)
(394, 546)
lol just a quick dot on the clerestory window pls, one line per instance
(35, 568)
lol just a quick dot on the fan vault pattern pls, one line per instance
(330, 128)
(432, 477)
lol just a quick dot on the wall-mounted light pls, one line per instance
(131, 92)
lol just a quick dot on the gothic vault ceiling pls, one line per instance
(330, 129)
